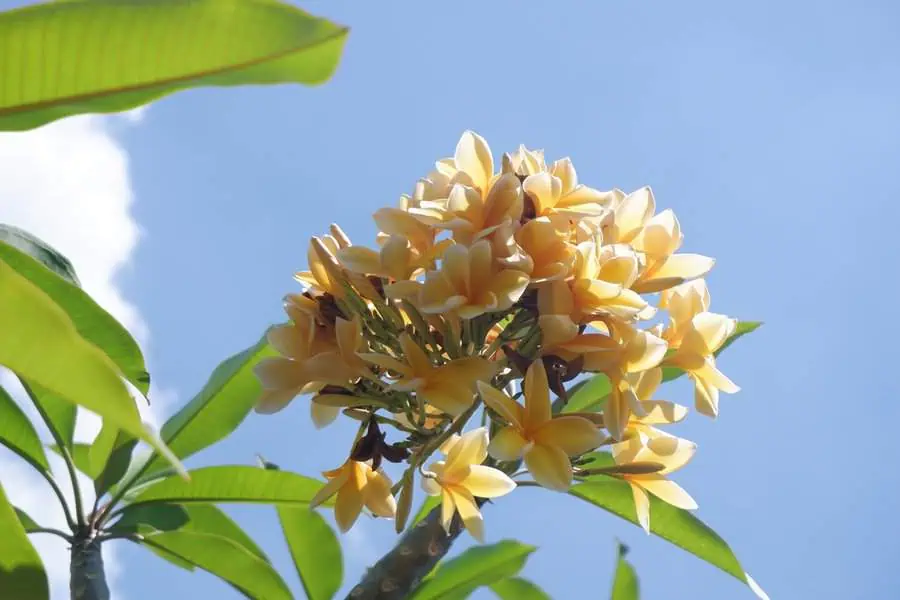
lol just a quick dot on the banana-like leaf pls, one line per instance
(625, 582)
(516, 588)
(226, 559)
(231, 484)
(476, 567)
(41, 344)
(591, 394)
(18, 434)
(92, 322)
(217, 410)
(315, 550)
(673, 524)
(98, 56)
(22, 574)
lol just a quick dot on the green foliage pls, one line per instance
(57, 413)
(22, 574)
(82, 56)
(41, 344)
(591, 394)
(315, 550)
(226, 559)
(673, 524)
(217, 410)
(476, 567)
(39, 250)
(625, 582)
(516, 588)
(93, 323)
(18, 434)
(231, 484)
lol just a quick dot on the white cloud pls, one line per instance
(68, 184)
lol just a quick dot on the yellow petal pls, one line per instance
(451, 397)
(714, 377)
(661, 235)
(271, 401)
(431, 486)
(403, 289)
(572, 435)
(556, 329)
(276, 373)
(645, 351)
(469, 370)
(616, 413)
(555, 298)
(549, 466)
(507, 444)
(713, 329)
(323, 415)
(673, 452)
(684, 266)
(350, 498)
(508, 286)
(565, 170)
(330, 488)
(632, 212)
(378, 495)
(448, 509)
(468, 511)
(540, 188)
(471, 449)
(641, 506)
(360, 259)
(667, 491)
(537, 395)
(415, 356)
(706, 397)
(660, 412)
(473, 156)
(502, 404)
(386, 362)
(292, 341)
(487, 482)
(447, 446)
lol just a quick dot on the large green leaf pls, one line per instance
(591, 394)
(21, 572)
(226, 559)
(80, 453)
(92, 322)
(18, 434)
(516, 588)
(40, 251)
(222, 404)
(478, 566)
(315, 550)
(40, 343)
(231, 484)
(81, 56)
(673, 524)
(625, 582)
(58, 414)
(116, 465)
(196, 518)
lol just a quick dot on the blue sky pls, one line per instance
(772, 130)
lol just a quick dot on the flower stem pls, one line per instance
(87, 578)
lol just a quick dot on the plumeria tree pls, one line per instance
(460, 345)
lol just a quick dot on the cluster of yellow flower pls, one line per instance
(483, 278)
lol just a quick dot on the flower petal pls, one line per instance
(549, 466)
(330, 488)
(468, 511)
(502, 404)
(572, 435)
(673, 452)
(641, 506)
(448, 509)
(660, 412)
(666, 490)
(471, 449)
(271, 401)
(487, 482)
(537, 395)
(322, 414)
(473, 156)
(360, 259)
(377, 494)
(507, 444)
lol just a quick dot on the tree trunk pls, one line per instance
(87, 580)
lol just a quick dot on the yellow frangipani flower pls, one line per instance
(703, 335)
(470, 284)
(524, 162)
(670, 452)
(550, 197)
(658, 240)
(628, 216)
(545, 442)
(655, 412)
(321, 275)
(683, 302)
(539, 248)
(449, 387)
(356, 485)
(602, 278)
(472, 163)
(397, 260)
(461, 478)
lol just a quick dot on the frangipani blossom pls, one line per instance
(461, 478)
(356, 485)
(470, 284)
(545, 442)
(670, 452)
(658, 240)
(449, 387)
(549, 197)
(472, 163)
(539, 248)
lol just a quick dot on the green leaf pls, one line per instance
(625, 583)
(673, 524)
(315, 550)
(478, 566)
(18, 434)
(87, 56)
(22, 574)
(215, 412)
(226, 559)
(196, 518)
(591, 394)
(40, 251)
(40, 343)
(117, 464)
(428, 504)
(27, 522)
(516, 588)
(58, 414)
(92, 322)
(231, 484)
(80, 456)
